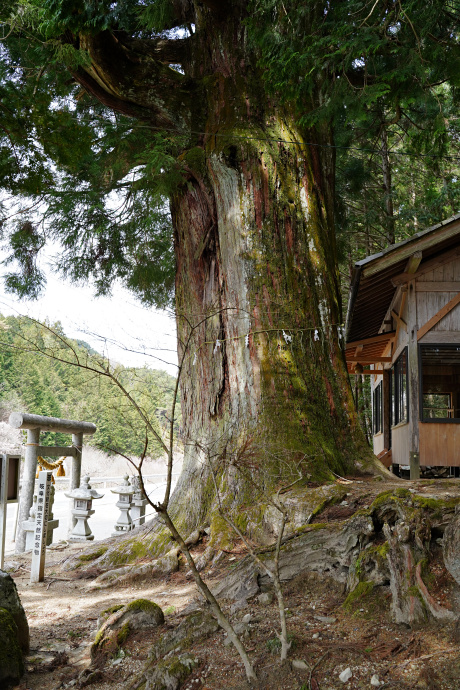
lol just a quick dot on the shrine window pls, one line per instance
(377, 409)
(440, 383)
(399, 391)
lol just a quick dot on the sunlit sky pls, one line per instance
(120, 326)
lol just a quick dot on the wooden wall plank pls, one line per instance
(439, 315)
(441, 337)
(400, 444)
(428, 276)
(438, 273)
(450, 322)
(449, 273)
(425, 267)
(439, 444)
(378, 443)
(456, 269)
(438, 286)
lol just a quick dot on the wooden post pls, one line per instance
(75, 478)
(4, 466)
(37, 570)
(386, 403)
(414, 391)
(28, 484)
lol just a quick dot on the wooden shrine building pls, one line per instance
(403, 330)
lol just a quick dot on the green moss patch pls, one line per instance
(87, 557)
(11, 662)
(146, 606)
(122, 634)
(355, 598)
(112, 609)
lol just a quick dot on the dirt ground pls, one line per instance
(62, 614)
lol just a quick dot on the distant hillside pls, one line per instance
(38, 375)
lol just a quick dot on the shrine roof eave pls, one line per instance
(372, 289)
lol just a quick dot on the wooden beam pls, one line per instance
(382, 337)
(429, 265)
(399, 321)
(368, 360)
(386, 403)
(367, 372)
(414, 262)
(410, 270)
(438, 316)
(439, 286)
(438, 234)
(413, 375)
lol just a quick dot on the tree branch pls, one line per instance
(219, 7)
(119, 105)
(166, 50)
(133, 77)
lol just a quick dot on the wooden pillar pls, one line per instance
(386, 402)
(75, 477)
(413, 378)
(4, 467)
(28, 485)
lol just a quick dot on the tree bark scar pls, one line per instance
(257, 192)
(267, 304)
(330, 396)
(288, 232)
(265, 187)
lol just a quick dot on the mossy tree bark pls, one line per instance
(255, 248)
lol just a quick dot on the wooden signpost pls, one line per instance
(37, 571)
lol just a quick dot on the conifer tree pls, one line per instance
(206, 129)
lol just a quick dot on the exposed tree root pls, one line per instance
(391, 543)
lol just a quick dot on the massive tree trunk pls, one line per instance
(256, 260)
(257, 267)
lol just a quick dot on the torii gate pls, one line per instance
(34, 424)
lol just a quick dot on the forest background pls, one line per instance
(37, 383)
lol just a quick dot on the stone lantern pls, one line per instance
(124, 522)
(138, 502)
(82, 510)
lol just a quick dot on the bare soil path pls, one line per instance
(62, 614)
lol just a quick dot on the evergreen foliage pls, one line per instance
(386, 75)
(38, 375)
(98, 182)
(92, 164)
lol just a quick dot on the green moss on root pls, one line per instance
(144, 605)
(122, 634)
(360, 592)
(87, 557)
(112, 609)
